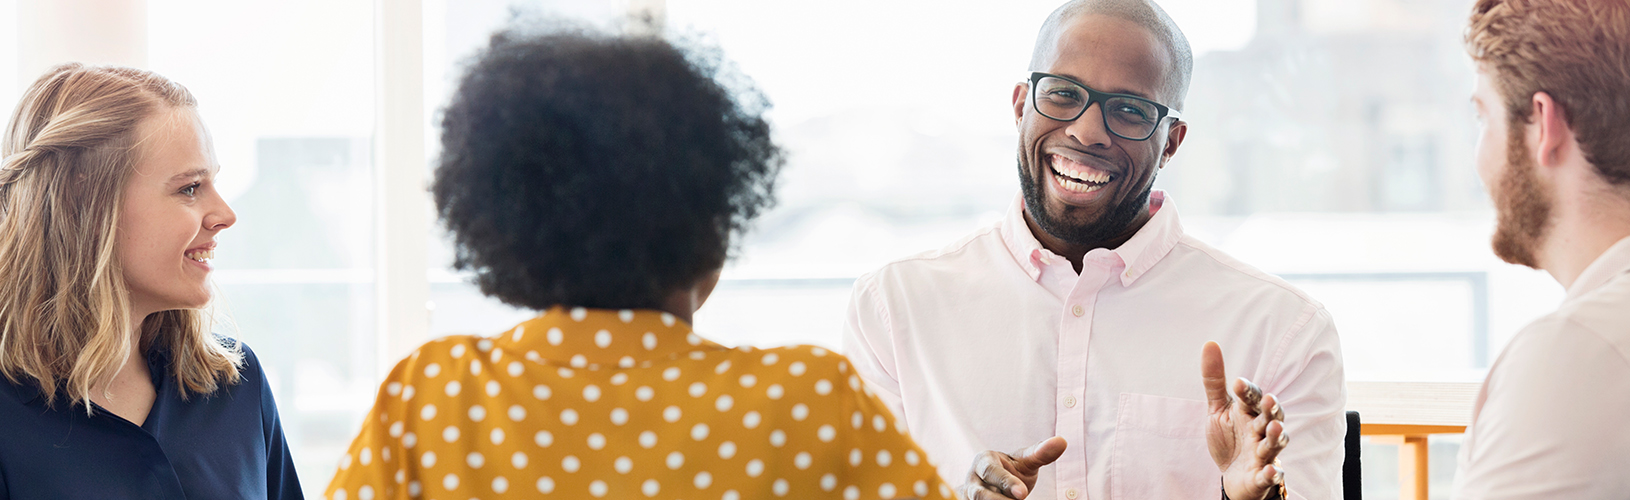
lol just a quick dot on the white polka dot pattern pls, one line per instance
(626, 404)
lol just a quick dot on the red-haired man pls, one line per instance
(1553, 95)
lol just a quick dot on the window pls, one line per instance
(1330, 143)
(288, 94)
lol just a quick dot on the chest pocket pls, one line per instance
(1160, 450)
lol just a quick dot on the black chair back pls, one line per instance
(1352, 483)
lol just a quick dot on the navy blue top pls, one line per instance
(228, 444)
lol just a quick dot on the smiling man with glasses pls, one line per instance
(1079, 324)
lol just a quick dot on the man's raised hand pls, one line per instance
(995, 475)
(1245, 435)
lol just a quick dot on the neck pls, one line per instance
(1074, 251)
(684, 303)
(138, 315)
(1583, 229)
(681, 306)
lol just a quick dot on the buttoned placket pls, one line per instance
(1074, 337)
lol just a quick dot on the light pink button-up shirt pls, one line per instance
(995, 343)
(1553, 418)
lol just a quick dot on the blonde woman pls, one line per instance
(113, 387)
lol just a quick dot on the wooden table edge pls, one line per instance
(1365, 429)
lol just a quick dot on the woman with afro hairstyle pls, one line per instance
(600, 180)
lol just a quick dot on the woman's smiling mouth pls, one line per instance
(201, 256)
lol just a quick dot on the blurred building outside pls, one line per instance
(1330, 142)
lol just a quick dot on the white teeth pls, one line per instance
(1066, 168)
(1078, 187)
(201, 255)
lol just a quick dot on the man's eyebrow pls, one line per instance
(1110, 90)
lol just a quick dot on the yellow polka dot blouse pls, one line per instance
(586, 403)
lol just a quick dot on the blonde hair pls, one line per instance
(64, 307)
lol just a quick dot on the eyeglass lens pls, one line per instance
(1127, 117)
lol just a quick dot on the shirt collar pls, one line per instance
(28, 389)
(1139, 254)
(586, 338)
(1613, 262)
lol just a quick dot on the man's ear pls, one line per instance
(1021, 94)
(1174, 139)
(1549, 133)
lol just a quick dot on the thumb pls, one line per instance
(1214, 377)
(1041, 454)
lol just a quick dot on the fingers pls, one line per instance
(1273, 443)
(1272, 406)
(1271, 427)
(990, 471)
(976, 491)
(1268, 411)
(1040, 454)
(1271, 412)
(1249, 395)
(999, 475)
(1270, 476)
(1214, 377)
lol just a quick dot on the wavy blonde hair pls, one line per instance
(64, 306)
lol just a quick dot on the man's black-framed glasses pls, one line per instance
(1127, 116)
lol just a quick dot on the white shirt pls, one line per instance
(995, 343)
(1553, 418)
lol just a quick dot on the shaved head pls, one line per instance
(1145, 14)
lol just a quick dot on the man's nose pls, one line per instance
(1088, 129)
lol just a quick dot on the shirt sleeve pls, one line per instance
(1552, 421)
(883, 460)
(1309, 381)
(376, 465)
(281, 480)
(868, 342)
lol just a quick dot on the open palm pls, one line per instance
(1245, 435)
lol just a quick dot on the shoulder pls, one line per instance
(808, 383)
(437, 355)
(790, 374)
(1562, 342)
(793, 361)
(1570, 380)
(1556, 363)
(1224, 272)
(1599, 315)
(251, 363)
(250, 371)
(977, 249)
(446, 360)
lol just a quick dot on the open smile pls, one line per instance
(201, 256)
(1075, 177)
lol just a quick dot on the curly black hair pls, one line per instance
(586, 169)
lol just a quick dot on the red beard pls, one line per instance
(1523, 205)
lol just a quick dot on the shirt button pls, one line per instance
(1070, 494)
(1069, 401)
(1078, 310)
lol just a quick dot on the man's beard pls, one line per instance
(1077, 232)
(1522, 205)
